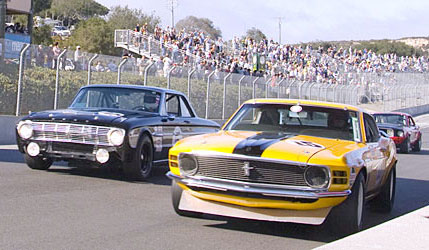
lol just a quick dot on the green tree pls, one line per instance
(126, 18)
(78, 9)
(42, 35)
(41, 5)
(388, 46)
(255, 34)
(205, 25)
(94, 35)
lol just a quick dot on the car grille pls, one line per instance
(261, 172)
(72, 147)
(73, 133)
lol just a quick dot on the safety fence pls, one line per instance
(38, 81)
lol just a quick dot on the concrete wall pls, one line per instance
(414, 111)
(7, 129)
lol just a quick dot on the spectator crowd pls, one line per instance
(305, 63)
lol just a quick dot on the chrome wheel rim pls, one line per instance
(360, 205)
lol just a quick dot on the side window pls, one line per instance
(411, 122)
(172, 105)
(185, 110)
(371, 130)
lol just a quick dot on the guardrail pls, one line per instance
(214, 94)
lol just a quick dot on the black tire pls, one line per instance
(418, 145)
(347, 218)
(176, 194)
(140, 168)
(384, 201)
(405, 146)
(38, 162)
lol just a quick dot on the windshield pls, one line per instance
(390, 118)
(313, 121)
(117, 98)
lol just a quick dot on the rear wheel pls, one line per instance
(141, 166)
(347, 218)
(37, 162)
(405, 146)
(384, 201)
(418, 145)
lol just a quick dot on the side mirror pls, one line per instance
(383, 143)
(171, 117)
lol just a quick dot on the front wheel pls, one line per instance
(384, 201)
(38, 162)
(176, 195)
(418, 145)
(141, 166)
(347, 218)
(405, 146)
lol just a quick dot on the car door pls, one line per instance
(375, 157)
(171, 123)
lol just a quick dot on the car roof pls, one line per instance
(126, 86)
(391, 113)
(306, 102)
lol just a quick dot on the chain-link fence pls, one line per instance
(46, 82)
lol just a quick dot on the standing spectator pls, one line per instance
(167, 65)
(40, 56)
(56, 51)
(78, 59)
(63, 60)
(50, 57)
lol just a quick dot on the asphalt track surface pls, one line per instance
(72, 208)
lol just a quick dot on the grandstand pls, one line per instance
(264, 58)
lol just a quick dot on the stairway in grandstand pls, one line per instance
(139, 44)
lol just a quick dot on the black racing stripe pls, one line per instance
(256, 145)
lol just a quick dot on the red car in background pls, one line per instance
(402, 129)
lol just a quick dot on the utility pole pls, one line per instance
(280, 29)
(2, 32)
(171, 5)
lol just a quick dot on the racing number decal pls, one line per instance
(177, 135)
(306, 144)
(157, 140)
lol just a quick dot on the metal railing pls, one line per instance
(213, 94)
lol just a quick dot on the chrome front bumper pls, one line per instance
(255, 188)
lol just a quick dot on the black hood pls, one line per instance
(93, 117)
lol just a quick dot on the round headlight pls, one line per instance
(317, 177)
(116, 136)
(390, 132)
(188, 164)
(400, 133)
(25, 130)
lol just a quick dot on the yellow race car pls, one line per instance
(288, 161)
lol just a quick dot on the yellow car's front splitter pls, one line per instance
(188, 202)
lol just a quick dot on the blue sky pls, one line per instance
(303, 20)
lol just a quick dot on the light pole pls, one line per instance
(171, 5)
(280, 29)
